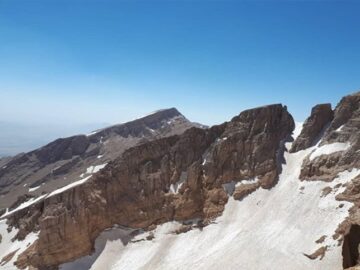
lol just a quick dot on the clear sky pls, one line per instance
(84, 62)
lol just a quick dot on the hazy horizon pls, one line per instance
(83, 64)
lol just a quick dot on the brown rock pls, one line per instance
(8, 257)
(319, 253)
(321, 239)
(183, 229)
(245, 189)
(321, 116)
(344, 128)
(134, 190)
(350, 249)
(326, 191)
(346, 116)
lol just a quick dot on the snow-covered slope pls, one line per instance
(269, 229)
(10, 249)
(227, 197)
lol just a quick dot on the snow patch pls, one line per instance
(250, 181)
(339, 128)
(297, 129)
(92, 133)
(95, 169)
(8, 246)
(328, 149)
(34, 188)
(174, 188)
(23, 205)
(74, 184)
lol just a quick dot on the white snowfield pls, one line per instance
(8, 246)
(328, 149)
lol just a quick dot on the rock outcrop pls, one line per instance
(320, 118)
(350, 229)
(343, 129)
(180, 177)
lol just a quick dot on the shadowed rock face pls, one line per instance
(344, 128)
(346, 123)
(350, 228)
(350, 248)
(321, 116)
(137, 189)
(64, 160)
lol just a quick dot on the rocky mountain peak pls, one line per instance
(142, 126)
(233, 185)
(346, 123)
(313, 127)
(181, 177)
(67, 160)
(339, 146)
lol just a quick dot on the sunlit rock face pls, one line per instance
(320, 118)
(339, 146)
(255, 187)
(135, 190)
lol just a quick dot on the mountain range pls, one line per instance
(260, 191)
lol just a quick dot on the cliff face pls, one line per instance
(181, 177)
(321, 116)
(235, 183)
(340, 143)
(338, 150)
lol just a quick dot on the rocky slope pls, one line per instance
(320, 118)
(227, 196)
(67, 160)
(340, 143)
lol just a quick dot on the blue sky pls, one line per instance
(85, 62)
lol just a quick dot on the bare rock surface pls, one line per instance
(180, 178)
(321, 116)
(188, 177)
(343, 131)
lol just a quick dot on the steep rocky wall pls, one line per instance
(321, 116)
(137, 189)
(350, 228)
(344, 128)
